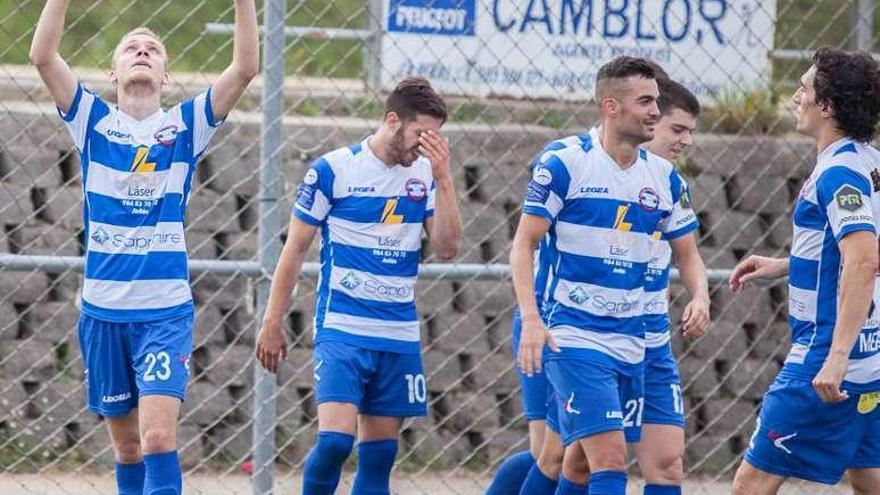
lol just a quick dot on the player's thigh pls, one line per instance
(397, 387)
(158, 423)
(110, 381)
(660, 453)
(536, 436)
(337, 416)
(865, 481)
(160, 353)
(552, 452)
(126, 437)
(378, 427)
(605, 450)
(750, 480)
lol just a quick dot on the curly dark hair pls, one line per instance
(415, 96)
(849, 83)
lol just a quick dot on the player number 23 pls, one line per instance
(161, 372)
(415, 386)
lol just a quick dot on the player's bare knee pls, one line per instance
(157, 439)
(668, 470)
(128, 449)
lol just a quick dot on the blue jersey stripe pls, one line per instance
(803, 274)
(659, 280)
(586, 269)
(808, 215)
(127, 267)
(371, 209)
(105, 209)
(340, 302)
(399, 263)
(603, 213)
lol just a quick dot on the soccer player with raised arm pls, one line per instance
(820, 416)
(371, 201)
(138, 159)
(601, 201)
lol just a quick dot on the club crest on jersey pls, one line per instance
(167, 135)
(416, 189)
(542, 176)
(649, 200)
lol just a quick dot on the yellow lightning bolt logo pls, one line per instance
(140, 164)
(620, 223)
(388, 215)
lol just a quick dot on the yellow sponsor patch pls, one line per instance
(868, 402)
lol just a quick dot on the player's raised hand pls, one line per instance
(695, 318)
(435, 148)
(827, 382)
(271, 347)
(531, 344)
(756, 267)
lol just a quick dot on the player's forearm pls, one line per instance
(47, 35)
(693, 275)
(246, 41)
(856, 291)
(446, 228)
(522, 271)
(283, 280)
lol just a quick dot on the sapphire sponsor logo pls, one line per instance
(601, 302)
(649, 200)
(166, 136)
(578, 295)
(100, 236)
(139, 243)
(416, 189)
(441, 17)
(350, 281)
(386, 290)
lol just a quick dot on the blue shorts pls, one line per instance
(379, 383)
(591, 398)
(800, 436)
(126, 361)
(533, 390)
(663, 400)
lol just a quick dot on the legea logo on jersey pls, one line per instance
(441, 17)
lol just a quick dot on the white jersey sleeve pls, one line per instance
(315, 195)
(77, 117)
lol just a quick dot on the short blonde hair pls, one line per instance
(134, 32)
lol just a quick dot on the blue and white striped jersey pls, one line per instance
(657, 287)
(602, 219)
(838, 198)
(371, 218)
(137, 176)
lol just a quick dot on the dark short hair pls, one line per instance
(660, 73)
(621, 68)
(415, 96)
(849, 82)
(674, 95)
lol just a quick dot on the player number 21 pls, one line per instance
(163, 372)
(415, 386)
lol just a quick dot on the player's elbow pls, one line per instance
(249, 70)
(39, 58)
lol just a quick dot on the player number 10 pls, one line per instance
(415, 386)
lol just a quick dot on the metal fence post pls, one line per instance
(863, 24)
(269, 243)
(373, 46)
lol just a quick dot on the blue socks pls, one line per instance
(375, 460)
(568, 488)
(323, 466)
(537, 483)
(130, 478)
(511, 474)
(662, 490)
(608, 483)
(162, 474)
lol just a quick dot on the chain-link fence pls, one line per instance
(511, 88)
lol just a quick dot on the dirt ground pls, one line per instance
(403, 484)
